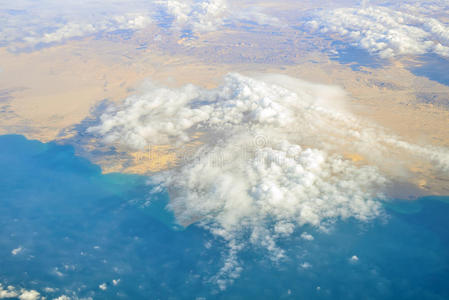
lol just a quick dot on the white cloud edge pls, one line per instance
(386, 32)
(53, 23)
(211, 15)
(235, 195)
(17, 250)
(42, 26)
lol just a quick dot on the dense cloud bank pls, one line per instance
(29, 24)
(12, 292)
(397, 28)
(9, 292)
(196, 15)
(268, 161)
(387, 32)
(209, 15)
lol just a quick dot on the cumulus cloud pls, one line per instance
(353, 259)
(8, 292)
(431, 7)
(208, 15)
(386, 32)
(306, 265)
(269, 161)
(259, 17)
(72, 30)
(12, 292)
(115, 281)
(26, 24)
(22, 294)
(196, 15)
(306, 236)
(63, 297)
(16, 250)
(29, 295)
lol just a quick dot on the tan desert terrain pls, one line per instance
(48, 92)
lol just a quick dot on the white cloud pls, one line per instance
(307, 237)
(53, 22)
(269, 157)
(63, 297)
(197, 15)
(22, 294)
(29, 295)
(115, 281)
(306, 265)
(103, 286)
(8, 292)
(386, 32)
(259, 17)
(16, 250)
(57, 272)
(430, 7)
(26, 24)
(72, 30)
(209, 15)
(354, 259)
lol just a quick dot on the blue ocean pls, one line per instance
(66, 228)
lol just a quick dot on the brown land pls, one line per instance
(46, 92)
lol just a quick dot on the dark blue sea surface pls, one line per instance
(355, 57)
(433, 67)
(79, 228)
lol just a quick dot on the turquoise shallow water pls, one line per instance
(79, 228)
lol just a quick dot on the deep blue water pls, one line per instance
(79, 228)
(355, 57)
(433, 67)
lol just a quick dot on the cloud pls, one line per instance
(72, 30)
(431, 7)
(196, 15)
(209, 15)
(8, 292)
(29, 295)
(306, 265)
(269, 160)
(306, 236)
(27, 25)
(353, 259)
(384, 31)
(22, 294)
(16, 251)
(259, 17)
(63, 297)
(115, 281)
